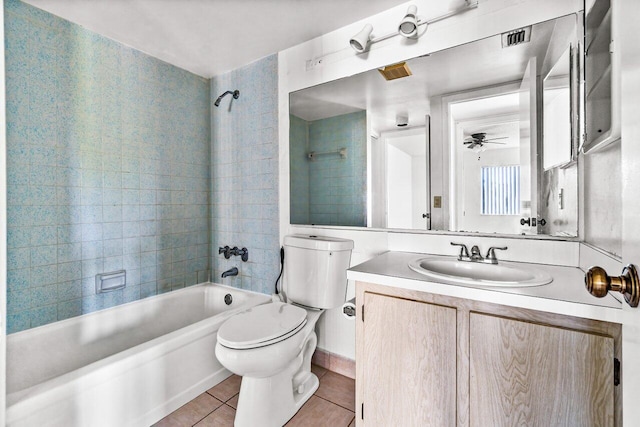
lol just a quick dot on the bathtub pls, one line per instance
(125, 366)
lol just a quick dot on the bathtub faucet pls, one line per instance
(242, 253)
(231, 272)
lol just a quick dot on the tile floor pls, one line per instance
(332, 405)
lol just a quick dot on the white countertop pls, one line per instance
(565, 295)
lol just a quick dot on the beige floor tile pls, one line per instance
(353, 422)
(191, 413)
(318, 370)
(233, 402)
(221, 417)
(338, 389)
(318, 412)
(226, 389)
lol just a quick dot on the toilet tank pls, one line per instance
(315, 270)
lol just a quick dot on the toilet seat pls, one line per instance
(262, 325)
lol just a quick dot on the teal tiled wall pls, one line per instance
(244, 165)
(299, 170)
(336, 189)
(107, 168)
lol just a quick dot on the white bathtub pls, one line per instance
(126, 366)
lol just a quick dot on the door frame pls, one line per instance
(450, 181)
(625, 14)
(3, 228)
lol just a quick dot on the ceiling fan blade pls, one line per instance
(472, 145)
(494, 139)
(492, 142)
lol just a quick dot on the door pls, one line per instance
(625, 16)
(529, 147)
(409, 363)
(527, 374)
(407, 178)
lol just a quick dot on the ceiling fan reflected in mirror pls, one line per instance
(480, 138)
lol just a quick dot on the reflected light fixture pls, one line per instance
(402, 119)
(360, 41)
(409, 25)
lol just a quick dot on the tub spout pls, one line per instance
(231, 272)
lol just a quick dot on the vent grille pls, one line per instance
(516, 37)
(395, 71)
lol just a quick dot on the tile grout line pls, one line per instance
(208, 413)
(337, 404)
(231, 397)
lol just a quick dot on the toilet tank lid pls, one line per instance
(318, 243)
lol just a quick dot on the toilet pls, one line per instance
(271, 345)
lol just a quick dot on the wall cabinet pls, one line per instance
(431, 360)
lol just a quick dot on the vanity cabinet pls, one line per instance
(527, 374)
(409, 356)
(430, 360)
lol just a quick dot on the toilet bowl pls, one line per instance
(274, 361)
(271, 345)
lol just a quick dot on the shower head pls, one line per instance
(235, 93)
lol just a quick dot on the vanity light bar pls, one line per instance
(467, 6)
(361, 42)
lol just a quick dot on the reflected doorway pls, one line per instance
(406, 183)
(490, 164)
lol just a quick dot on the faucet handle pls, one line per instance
(491, 253)
(225, 250)
(464, 252)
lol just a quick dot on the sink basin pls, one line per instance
(504, 274)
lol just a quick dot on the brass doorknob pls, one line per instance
(599, 283)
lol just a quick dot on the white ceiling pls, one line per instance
(497, 116)
(412, 143)
(210, 37)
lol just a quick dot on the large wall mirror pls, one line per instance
(481, 137)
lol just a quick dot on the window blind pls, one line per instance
(500, 190)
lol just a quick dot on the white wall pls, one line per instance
(557, 127)
(377, 190)
(336, 334)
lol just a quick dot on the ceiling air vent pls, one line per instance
(395, 71)
(515, 37)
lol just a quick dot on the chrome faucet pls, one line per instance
(464, 252)
(231, 272)
(476, 256)
(491, 254)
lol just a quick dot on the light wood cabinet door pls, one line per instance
(409, 363)
(525, 374)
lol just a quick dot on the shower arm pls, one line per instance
(235, 93)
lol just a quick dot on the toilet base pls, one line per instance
(281, 405)
(274, 400)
